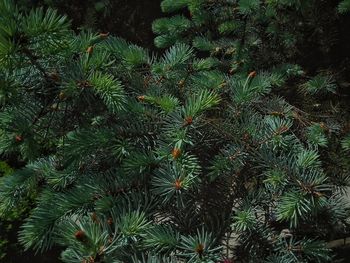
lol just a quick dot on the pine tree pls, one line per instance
(344, 6)
(192, 156)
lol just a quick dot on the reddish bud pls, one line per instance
(252, 74)
(110, 221)
(80, 235)
(18, 138)
(89, 49)
(188, 121)
(94, 218)
(176, 152)
(178, 184)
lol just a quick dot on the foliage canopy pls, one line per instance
(196, 155)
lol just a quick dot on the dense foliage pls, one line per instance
(222, 148)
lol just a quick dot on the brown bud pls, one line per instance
(178, 184)
(54, 76)
(104, 35)
(18, 138)
(176, 152)
(323, 126)
(89, 49)
(141, 98)
(110, 221)
(94, 218)
(234, 156)
(252, 74)
(200, 249)
(181, 83)
(83, 84)
(246, 136)
(80, 235)
(276, 113)
(62, 95)
(188, 121)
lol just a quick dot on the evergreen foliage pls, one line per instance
(196, 155)
(344, 6)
